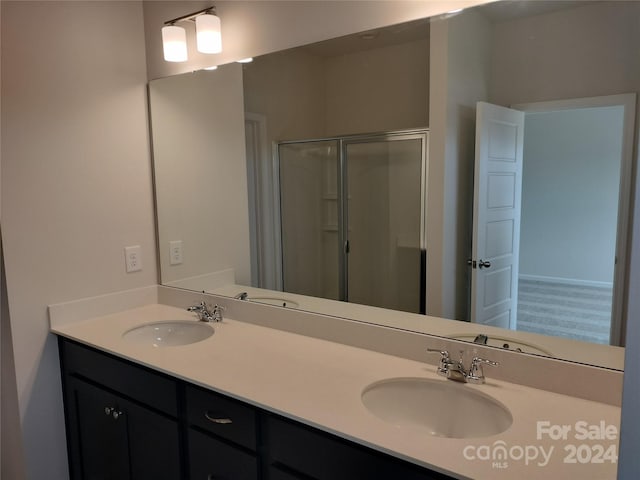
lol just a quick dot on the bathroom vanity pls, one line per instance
(128, 421)
(264, 403)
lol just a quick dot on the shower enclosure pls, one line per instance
(352, 212)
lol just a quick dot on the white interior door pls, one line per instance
(496, 215)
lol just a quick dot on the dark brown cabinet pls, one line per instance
(128, 422)
(113, 438)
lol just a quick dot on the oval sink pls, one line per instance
(277, 301)
(441, 408)
(169, 333)
(508, 343)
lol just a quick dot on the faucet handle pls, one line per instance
(444, 353)
(445, 361)
(476, 374)
(216, 314)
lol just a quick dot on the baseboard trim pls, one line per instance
(576, 282)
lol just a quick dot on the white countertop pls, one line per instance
(320, 384)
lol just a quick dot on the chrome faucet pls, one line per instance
(455, 371)
(206, 313)
(241, 296)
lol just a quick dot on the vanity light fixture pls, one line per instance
(208, 35)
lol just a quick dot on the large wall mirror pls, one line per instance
(473, 167)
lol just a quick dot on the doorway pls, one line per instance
(573, 218)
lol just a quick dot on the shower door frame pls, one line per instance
(342, 188)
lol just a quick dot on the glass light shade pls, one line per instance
(174, 43)
(208, 35)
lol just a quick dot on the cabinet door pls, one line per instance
(112, 438)
(211, 459)
(103, 440)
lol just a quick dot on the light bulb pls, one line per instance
(174, 43)
(208, 35)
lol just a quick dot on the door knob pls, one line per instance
(483, 264)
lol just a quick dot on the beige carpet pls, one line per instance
(560, 309)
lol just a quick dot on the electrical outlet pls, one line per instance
(175, 252)
(133, 258)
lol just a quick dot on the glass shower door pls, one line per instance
(384, 221)
(309, 217)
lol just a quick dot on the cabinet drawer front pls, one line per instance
(211, 459)
(222, 416)
(322, 456)
(138, 383)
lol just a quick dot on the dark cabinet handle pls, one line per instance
(213, 417)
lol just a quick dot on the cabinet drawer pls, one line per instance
(136, 382)
(222, 416)
(307, 452)
(211, 459)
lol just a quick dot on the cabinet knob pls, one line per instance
(112, 412)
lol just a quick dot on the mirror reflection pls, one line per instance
(363, 171)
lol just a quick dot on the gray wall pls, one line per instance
(570, 187)
(629, 461)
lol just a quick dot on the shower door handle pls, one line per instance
(347, 246)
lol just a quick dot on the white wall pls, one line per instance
(76, 185)
(289, 89)
(378, 90)
(459, 78)
(308, 96)
(534, 61)
(200, 170)
(570, 188)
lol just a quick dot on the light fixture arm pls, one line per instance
(191, 16)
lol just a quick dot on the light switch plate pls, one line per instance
(133, 258)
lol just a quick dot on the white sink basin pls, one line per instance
(169, 333)
(508, 343)
(277, 301)
(440, 408)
